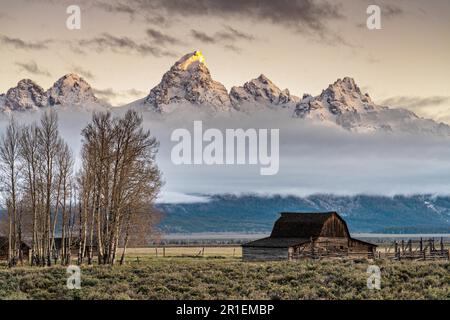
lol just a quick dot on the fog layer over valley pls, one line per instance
(314, 158)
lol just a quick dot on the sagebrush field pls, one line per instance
(230, 278)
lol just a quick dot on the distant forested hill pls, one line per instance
(255, 214)
(250, 213)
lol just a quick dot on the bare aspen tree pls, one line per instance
(49, 145)
(119, 177)
(65, 165)
(30, 158)
(46, 168)
(9, 155)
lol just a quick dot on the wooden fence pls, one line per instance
(417, 250)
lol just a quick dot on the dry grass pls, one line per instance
(206, 251)
(230, 278)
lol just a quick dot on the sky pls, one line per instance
(124, 47)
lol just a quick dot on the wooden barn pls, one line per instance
(308, 235)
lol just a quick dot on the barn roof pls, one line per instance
(301, 225)
(364, 242)
(277, 242)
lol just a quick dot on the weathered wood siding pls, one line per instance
(359, 248)
(334, 228)
(264, 254)
(323, 246)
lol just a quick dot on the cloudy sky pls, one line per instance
(124, 47)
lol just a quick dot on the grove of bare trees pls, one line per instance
(60, 216)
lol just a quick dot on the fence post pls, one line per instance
(396, 250)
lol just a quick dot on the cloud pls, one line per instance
(135, 93)
(433, 107)
(391, 11)
(117, 7)
(24, 45)
(305, 16)
(203, 37)
(160, 38)
(83, 72)
(234, 35)
(110, 94)
(32, 68)
(175, 197)
(232, 47)
(125, 44)
(225, 37)
(314, 158)
(415, 102)
(135, 9)
(228, 35)
(158, 20)
(299, 14)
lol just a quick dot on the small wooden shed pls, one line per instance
(4, 244)
(308, 235)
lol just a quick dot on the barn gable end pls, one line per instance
(335, 227)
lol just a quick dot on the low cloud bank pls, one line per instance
(314, 158)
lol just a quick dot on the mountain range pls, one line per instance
(69, 90)
(189, 84)
(256, 214)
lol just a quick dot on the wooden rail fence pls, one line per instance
(417, 250)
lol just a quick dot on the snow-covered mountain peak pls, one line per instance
(27, 95)
(342, 98)
(261, 91)
(191, 60)
(263, 79)
(345, 90)
(71, 89)
(346, 83)
(189, 82)
(344, 104)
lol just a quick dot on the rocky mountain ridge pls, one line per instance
(189, 83)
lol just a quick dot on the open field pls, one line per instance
(193, 251)
(230, 278)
